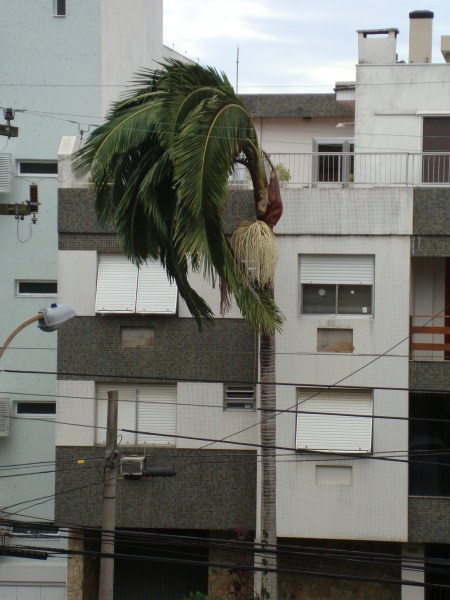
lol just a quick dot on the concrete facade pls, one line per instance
(59, 73)
(352, 501)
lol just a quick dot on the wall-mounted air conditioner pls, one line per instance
(4, 416)
(132, 466)
(5, 173)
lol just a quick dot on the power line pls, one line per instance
(242, 566)
(109, 378)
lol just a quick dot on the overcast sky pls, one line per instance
(289, 46)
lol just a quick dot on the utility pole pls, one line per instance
(106, 582)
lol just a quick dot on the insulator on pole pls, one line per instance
(33, 202)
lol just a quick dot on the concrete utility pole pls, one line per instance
(106, 582)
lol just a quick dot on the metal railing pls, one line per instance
(358, 169)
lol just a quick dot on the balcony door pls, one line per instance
(333, 160)
(436, 139)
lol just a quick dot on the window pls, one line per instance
(240, 396)
(36, 288)
(436, 139)
(123, 288)
(38, 169)
(137, 337)
(334, 420)
(59, 8)
(35, 531)
(334, 340)
(35, 408)
(334, 161)
(336, 284)
(141, 407)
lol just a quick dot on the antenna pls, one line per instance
(237, 69)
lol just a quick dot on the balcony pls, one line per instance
(430, 337)
(359, 169)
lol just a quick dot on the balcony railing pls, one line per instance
(359, 169)
(430, 337)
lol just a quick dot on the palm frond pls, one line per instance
(160, 166)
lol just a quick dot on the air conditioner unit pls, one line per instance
(4, 417)
(5, 173)
(132, 466)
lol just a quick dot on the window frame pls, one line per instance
(35, 531)
(355, 424)
(32, 173)
(337, 280)
(20, 294)
(25, 415)
(435, 149)
(59, 8)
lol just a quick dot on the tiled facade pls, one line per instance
(175, 338)
(212, 489)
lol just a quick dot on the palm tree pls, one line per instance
(160, 165)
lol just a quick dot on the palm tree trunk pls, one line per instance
(268, 464)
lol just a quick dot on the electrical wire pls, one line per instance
(242, 566)
(281, 549)
(110, 377)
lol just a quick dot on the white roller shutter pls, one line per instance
(332, 432)
(143, 408)
(127, 415)
(341, 269)
(156, 294)
(116, 284)
(157, 412)
(123, 288)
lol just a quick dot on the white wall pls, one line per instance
(374, 504)
(389, 100)
(77, 280)
(131, 39)
(75, 413)
(295, 135)
(200, 413)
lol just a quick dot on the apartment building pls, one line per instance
(63, 62)
(362, 362)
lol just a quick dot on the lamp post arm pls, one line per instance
(17, 330)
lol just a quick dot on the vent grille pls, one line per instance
(5, 173)
(4, 416)
(240, 396)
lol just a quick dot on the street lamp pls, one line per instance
(49, 319)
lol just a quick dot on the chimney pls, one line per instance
(377, 46)
(420, 36)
